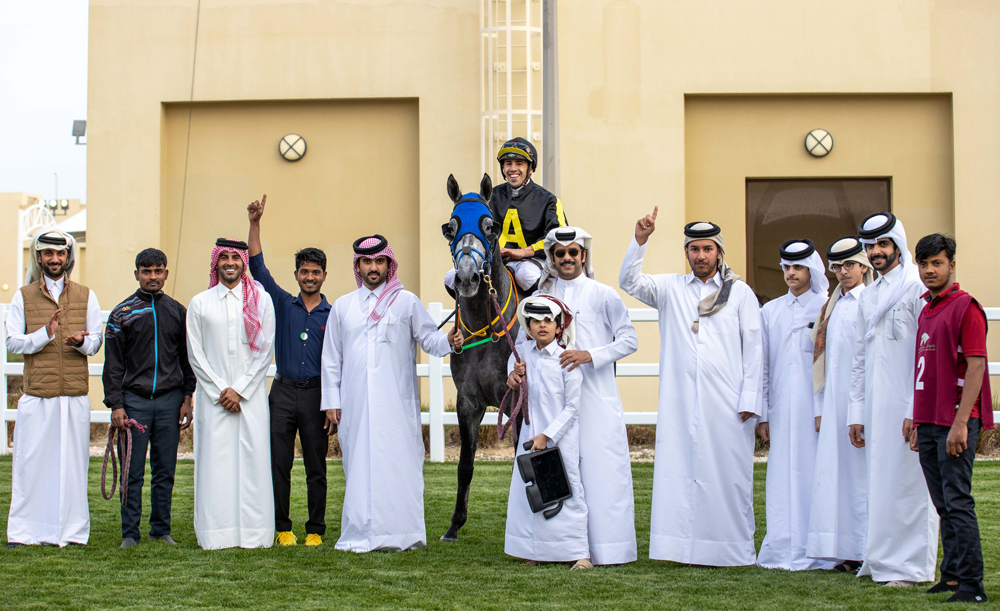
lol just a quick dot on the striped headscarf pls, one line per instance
(252, 304)
(371, 248)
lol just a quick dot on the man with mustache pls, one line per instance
(902, 527)
(230, 344)
(295, 394)
(838, 518)
(787, 418)
(951, 404)
(147, 378)
(56, 325)
(370, 396)
(710, 380)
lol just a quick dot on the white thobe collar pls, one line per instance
(55, 287)
(366, 292)
(576, 282)
(550, 349)
(854, 293)
(803, 299)
(892, 275)
(717, 279)
(237, 291)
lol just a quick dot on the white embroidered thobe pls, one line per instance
(233, 495)
(554, 404)
(604, 330)
(51, 455)
(787, 404)
(702, 510)
(369, 373)
(838, 518)
(902, 523)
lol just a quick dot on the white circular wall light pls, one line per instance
(819, 143)
(292, 147)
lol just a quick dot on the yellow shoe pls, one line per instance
(286, 538)
(314, 539)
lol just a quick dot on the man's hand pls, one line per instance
(516, 254)
(857, 432)
(76, 339)
(514, 381)
(645, 226)
(914, 444)
(764, 432)
(53, 324)
(538, 442)
(187, 412)
(256, 209)
(818, 420)
(332, 420)
(958, 439)
(907, 429)
(574, 358)
(118, 418)
(744, 416)
(519, 368)
(230, 400)
(456, 338)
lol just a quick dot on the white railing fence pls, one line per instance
(435, 370)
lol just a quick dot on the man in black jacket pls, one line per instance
(526, 212)
(147, 377)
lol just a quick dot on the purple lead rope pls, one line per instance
(109, 453)
(521, 405)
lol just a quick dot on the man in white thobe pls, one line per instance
(710, 380)
(902, 522)
(604, 334)
(56, 325)
(787, 417)
(370, 396)
(838, 515)
(230, 331)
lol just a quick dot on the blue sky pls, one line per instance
(43, 88)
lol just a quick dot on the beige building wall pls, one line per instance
(634, 77)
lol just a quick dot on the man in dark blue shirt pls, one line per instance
(295, 393)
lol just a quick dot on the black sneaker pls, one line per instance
(942, 586)
(964, 596)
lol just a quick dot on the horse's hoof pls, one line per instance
(449, 536)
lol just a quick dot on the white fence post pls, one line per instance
(435, 379)
(3, 366)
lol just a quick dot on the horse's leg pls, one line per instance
(470, 415)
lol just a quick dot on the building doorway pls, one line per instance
(823, 210)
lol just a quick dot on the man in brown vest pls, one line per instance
(56, 325)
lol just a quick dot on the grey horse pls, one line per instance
(480, 372)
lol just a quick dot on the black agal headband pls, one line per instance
(54, 240)
(874, 232)
(796, 255)
(849, 251)
(234, 244)
(370, 250)
(701, 230)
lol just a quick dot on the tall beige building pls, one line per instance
(702, 108)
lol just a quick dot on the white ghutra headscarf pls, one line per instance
(886, 225)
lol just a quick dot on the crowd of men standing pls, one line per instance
(872, 397)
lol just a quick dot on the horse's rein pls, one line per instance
(521, 405)
(109, 452)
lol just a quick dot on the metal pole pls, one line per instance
(435, 380)
(550, 96)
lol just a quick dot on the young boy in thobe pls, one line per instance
(553, 401)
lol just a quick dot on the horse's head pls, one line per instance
(472, 235)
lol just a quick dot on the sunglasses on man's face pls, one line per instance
(573, 252)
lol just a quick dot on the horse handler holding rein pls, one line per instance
(147, 378)
(295, 395)
(369, 380)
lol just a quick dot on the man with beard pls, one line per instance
(230, 344)
(56, 325)
(147, 378)
(295, 394)
(370, 396)
(525, 210)
(951, 403)
(838, 517)
(710, 382)
(902, 527)
(603, 335)
(787, 418)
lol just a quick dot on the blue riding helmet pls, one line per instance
(470, 216)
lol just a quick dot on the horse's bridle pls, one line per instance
(469, 214)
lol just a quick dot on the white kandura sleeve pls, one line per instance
(424, 330)
(856, 407)
(625, 339)
(644, 287)
(19, 342)
(331, 363)
(573, 382)
(94, 338)
(753, 354)
(208, 380)
(765, 369)
(256, 373)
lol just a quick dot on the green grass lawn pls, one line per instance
(472, 573)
